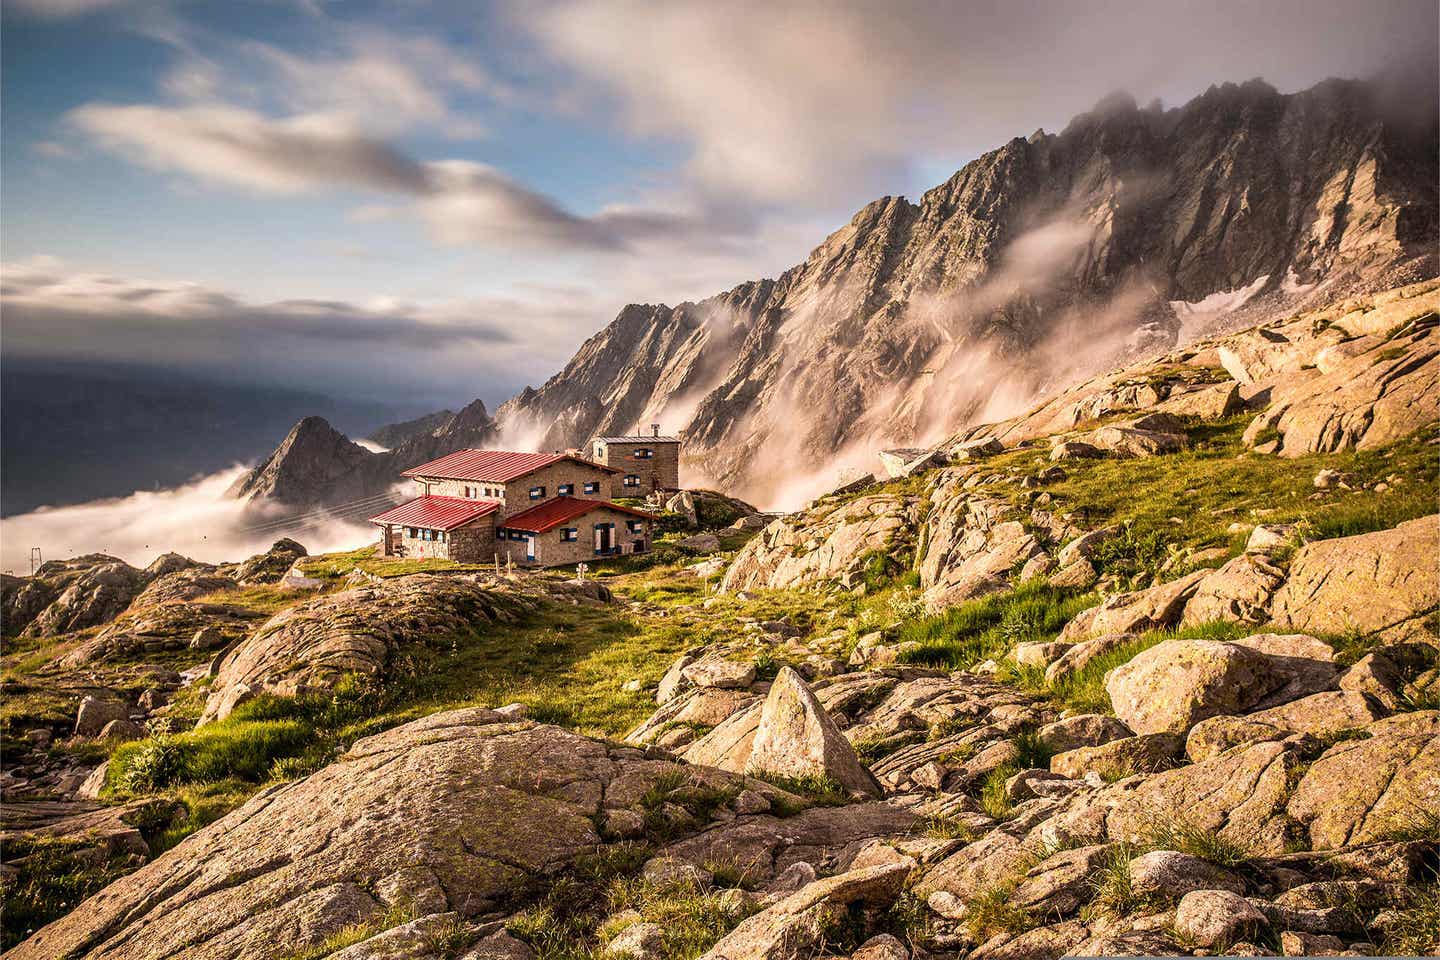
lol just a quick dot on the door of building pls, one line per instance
(530, 546)
(604, 538)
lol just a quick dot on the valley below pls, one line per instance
(1148, 667)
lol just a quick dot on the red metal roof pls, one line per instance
(552, 513)
(437, 513)
(497, 466)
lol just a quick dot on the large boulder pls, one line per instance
(1364, 401)
(1239, 592)
(830, 543)
(1137, 611)
(1384, 581)
(1211, 918)
(313, 645)
(1239, 795)
(797, 738)
(22, 599)
(272, 565)
(1360, 790)
(1176, 684)
(457, 811)
(96, 596)
(969, 543)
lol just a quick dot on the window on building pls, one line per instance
(570, 534)
(631, 480)
(644, 453)
(537, 493)
(592, 487)
(565, 490)
(599, 451)
(410, 532)
(637, 526)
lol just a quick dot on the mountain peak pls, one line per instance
(310, 457)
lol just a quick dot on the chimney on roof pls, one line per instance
(655, 429)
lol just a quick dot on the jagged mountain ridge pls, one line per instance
(317, 466)
(1140, 206)
(1039, 263)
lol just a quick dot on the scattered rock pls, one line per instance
(1372, 583)
(120, 730)
(1135, 612)
(1177, 683)
(1082, 730)
(1119, 758)
(94, 714)
(797, 925)
(1172, 875)
(797, 738)
(1359, 790)
(719, 672)
(1211, 917)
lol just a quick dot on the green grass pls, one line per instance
(1415, 927)
(572, 920)
(818, 788)
(52, 876)
(991, 911)
(1083, 691)
(1217, 481)
(989, 627)
(1114, 894)
(1184, 837)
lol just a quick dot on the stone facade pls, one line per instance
(629, 534)
(646, 464)
(472, 543)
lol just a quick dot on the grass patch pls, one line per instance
(574, 919)
(819, 789)
(991, 911)
(1414, 929)
(1217, 480)
(1184, 837)
(989, 627)
(52, 876)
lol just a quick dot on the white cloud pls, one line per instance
(243, 148)
(198, 520)
(460, 202)
(804, 103)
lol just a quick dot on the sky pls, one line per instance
(440, 200)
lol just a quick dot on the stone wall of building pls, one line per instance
(551, 550)
(517, 493)
(660, 471)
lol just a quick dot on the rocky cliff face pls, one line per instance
(1047, 258)
(317, 466)
(1038, 264)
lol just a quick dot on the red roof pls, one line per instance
(497, 466)
(437, 513)
(552, 513)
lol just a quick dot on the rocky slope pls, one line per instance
(1041, 262)
(1150, 669)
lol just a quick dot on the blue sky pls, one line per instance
(445, 198)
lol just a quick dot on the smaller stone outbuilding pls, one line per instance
(445, 528)
(570, 530)
(645, 463)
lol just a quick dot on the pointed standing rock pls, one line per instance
(797, 738)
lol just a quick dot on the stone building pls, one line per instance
(645, 463)
(471, 501)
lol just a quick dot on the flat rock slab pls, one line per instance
(457, 810)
